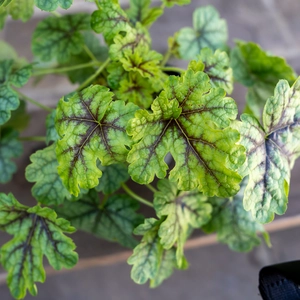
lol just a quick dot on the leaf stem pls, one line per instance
(98, 4)
(90, 54)
(135, 196)
(40, 105)
(56, 14)
(91, 78)
(32, 138)
(151, 188)
(173, 69)
(39, 72)
(166, 58)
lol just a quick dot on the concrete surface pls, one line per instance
(215, 272)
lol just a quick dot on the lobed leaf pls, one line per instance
(60, 37)
(182, 210)
(92, 127)
(51, 5)
(260, 72)
(114, 219)
(51, 133)
(190, 120)
(21, 9)
(48, 188)
(234, 225)
(37, 232)
(170, 3)
(271, 152)
(209, 31)
(10, 147)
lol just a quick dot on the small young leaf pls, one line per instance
(209, 31)
(51, 133)
(170, 3)
(110, 20)
(51, 5)
(48, 188)
(260, 72)
(149, 259)
(60, 37)
(140, 12)
(91, 127)
(9, 147)
(112, 178)
(189, 120)
(37, 232)
(217, 68)
(233, 224)
(10, 75)
(21, 9)
(271, 152)
(116, 74)
(182, 210)
(114, 220)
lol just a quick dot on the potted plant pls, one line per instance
(126, 116)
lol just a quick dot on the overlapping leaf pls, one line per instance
(10, 147)
(190, 120)
(234, 226)
(92, 127)
(110, 20)
(51, 133)
(271, 152)
(21, 9)
(60, 37)
(149, 259)
(113, 219)
(182, 210)
(11, 75)
(48, 188)
(217, 68)
(37, 232)
(51, 5)
(260, 72)
(209, 31)
(140, 11)
(112, 178)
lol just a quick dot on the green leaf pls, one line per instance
(140, 12)
(51, 133)
(92, 127)
(182, 210)
(149, 259)
(136, 89)
(48, 188)
(60, 37)
(234, 225)
(170, 3)
(10, 147)
(112, 178)
(260, 72)
(3, 15)
(21, 9)
(116, 73)
(11, 75)
(217, 68)
(190, 120)
(113, 220)
(51, 5)
(4, 3)
(271, 149)
(110, 20)
(37, 232)
(209, 31)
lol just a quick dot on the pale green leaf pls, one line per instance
(110, 20)
(149, 259)
(190, 120)
(112, 178)
(92, 127)
(51, 5)
(217, 68)
(60, 37)
(51, 133)
(113, 219)
(209, 31)
(260, 72)
(48, 188)
(3, 15)
(234, 225)
(271, 149)
(182, 210)
(116, 74)
(37, 232)
(170, 3)
(21, 9)
(10, 147)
